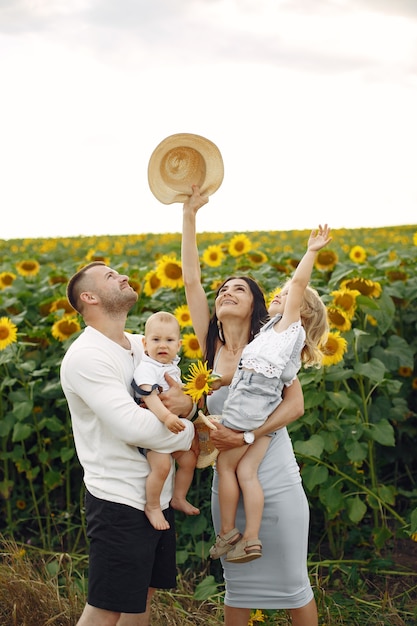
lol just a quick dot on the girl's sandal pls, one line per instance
(245, 551)
(225, 543)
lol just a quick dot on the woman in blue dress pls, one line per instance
(279, 580)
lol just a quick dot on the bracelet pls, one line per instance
(192, 413)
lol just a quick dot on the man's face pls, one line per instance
(111, 289)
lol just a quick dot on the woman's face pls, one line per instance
(234, 299)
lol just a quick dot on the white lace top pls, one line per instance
(275, 354)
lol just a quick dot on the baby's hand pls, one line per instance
(173, 423)
(319, 238)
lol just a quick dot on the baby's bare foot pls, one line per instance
(181, 504)
(156, 518)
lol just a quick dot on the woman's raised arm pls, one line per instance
(191, 272)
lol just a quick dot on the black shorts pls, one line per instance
(127, 556)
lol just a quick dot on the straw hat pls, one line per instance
(180, 161)
(208, 453)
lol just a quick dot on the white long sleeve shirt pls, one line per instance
(108, 426)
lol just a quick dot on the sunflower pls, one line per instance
(136, 285)
(6, 279)
(65, 327)
(8, 332)
(216, 284)
(152, 283)
(191, 347)
(365, 286)
(280, 268)
(338, 318)
(29, 267)
(47, 246)
(256, 618)
(118, 247)
(92, 255)
(257, 258)
(371, 320)
(357, 254)
(293, 263)
(239, 244)
(61, 303)
(334, 349)
(21, 505)
(326, 260)
(415, 239)
(395, 275)
(57, 279)
(272, 295)
(20, 554)
(200, 380)
(405, 371)
(213, 256)
(414, 383)
(169, 271)
(182, 313)
(346, 299)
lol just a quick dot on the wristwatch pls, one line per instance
(248, 437)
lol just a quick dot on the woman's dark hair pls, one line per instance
(259, 317)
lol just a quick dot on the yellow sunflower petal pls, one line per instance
(65, 327)
(8, 332)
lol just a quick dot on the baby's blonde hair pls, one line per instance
(161, 316)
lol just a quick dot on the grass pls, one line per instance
(39, 589)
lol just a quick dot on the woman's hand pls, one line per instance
(225, 438)
(195, 201)
(289, 410)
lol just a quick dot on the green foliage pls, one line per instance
(355, 443)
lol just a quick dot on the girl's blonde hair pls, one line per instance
(313, 315)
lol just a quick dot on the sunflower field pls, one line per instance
(355, 443)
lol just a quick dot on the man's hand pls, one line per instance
(175, 400)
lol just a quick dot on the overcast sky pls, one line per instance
(312, 104)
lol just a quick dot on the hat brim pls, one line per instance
(183, 160)
(208, 452)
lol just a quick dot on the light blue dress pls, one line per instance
(278, 580)
(268, 363)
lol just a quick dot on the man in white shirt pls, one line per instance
(128, 558)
